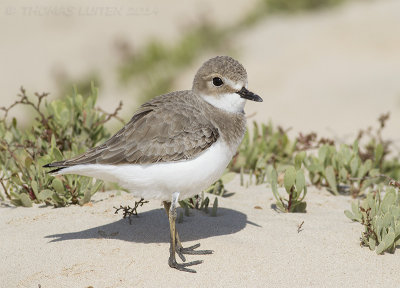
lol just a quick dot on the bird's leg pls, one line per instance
(170, 208)
(180, 250)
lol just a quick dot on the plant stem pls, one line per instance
(290, 199)
(5, 189)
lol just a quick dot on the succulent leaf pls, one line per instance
(25, 200)
(331, 178)
(289, 178)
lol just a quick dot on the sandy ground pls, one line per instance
(91, 246)
(43, 41)
(332, 72)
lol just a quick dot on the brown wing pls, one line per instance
(166, 129)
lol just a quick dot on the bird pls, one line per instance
(175, 145)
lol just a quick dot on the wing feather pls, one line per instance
(166, 129)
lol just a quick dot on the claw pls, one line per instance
(190, 247)
(180, 254)
(190, 250)
(182, 266)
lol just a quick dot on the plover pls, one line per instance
(175, 145)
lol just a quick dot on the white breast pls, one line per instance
(160, 180)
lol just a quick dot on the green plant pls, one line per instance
(215, 208)
(391, 167)
(380, 218)
(342, 170)
(379, 149)
(268, 145)
(273, 6)
(295, 185)
(61, 129)
(271, 145)
(218, 188)
(199, 203)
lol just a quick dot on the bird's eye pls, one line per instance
(217, 81)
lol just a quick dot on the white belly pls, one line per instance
(160, 180)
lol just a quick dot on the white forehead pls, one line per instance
(237, 85)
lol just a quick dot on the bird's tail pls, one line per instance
(60, 165)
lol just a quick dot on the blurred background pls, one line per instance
(329, 66)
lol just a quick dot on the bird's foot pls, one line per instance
(182, 266)
(190, 251)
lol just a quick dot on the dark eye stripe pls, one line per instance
(217, 81)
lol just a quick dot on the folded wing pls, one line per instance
(162, 130)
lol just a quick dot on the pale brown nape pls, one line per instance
(220, 66)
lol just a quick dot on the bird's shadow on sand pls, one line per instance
(153, 227)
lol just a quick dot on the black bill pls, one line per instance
(246, 94)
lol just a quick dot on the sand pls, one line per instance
(331, 72)
(254, 247)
